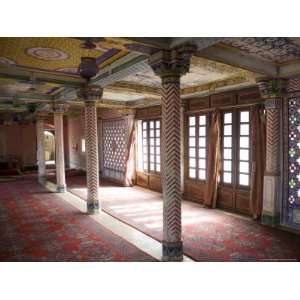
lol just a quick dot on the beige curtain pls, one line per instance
(213, 160)
(258, 160)
(129, 161)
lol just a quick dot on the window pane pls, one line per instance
(192, 173)
(151, 158)
(157, 142)
(227, 142)
(244, 130)
(192, 142)
(202, 120)
(157, 158)
(144, 142)
(144, 125)
(158, 168)
(227, 118)
(202, 174)
(192, 121)
(157, 150)
(202, 163)
(227, 177)
(151, 141)
(192, 162)
(228, 130)
(151, 132)
(202, 142)
(151, 124)
(144, 133)
(145, 149)
(145, 157)
(192, 152)
(202, 152)
(244, 167)
(244, 154)
(244, 116)
(157, 123)
(244, 179)
(152, 150)
(244, 142)
(227, 165)
(157, 132)
(152, 167)
(227, 154)
(202, 131)
(192, 131)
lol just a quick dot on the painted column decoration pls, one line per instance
(90, 95)
(40, 120)
(170, 66)
(59, 109)
(272, 91)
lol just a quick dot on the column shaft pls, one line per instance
(59, 149)
(40, 149)
(92, 164)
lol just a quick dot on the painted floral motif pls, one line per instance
(47, 53)
(275, 49)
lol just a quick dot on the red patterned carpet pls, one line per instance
(37, 225)
(208, 235)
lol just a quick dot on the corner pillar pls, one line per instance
(170, 66)
(40, 121)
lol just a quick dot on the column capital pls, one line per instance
(170, 65)
(271, 88)
(90, 93)
(60, 107)
(273, 103)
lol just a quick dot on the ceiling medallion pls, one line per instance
(47, 53)
(68, 70)
(6, 61)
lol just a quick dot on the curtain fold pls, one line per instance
(129, 160)
(213, 160)
(258, 160)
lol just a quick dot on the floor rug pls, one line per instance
(208, 235)
(37, 225)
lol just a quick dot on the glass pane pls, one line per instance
(157, 123)
(202, 152)
(144, 142)
(144, 125)
(244, 179)
(244, 154)
(228, 130)
(244, 129)
(202, 142)
(227, 177)
(202, 131)
(192, 131)
(202, 174)
(151, 132)
(152, 150)
(152, 167)
(192, 173)
(157, 158)
(145, 157)
(227, 154)
(157, 150)
(192, 121)
(144, 133)
(151, 158)
(192, 142)
(157, 142)
(227, 165)
(157, 132)
(202, 120)
(145, 149)
(244, 142)
(244, 116)
(227, 118)
(151, 124)
(202, 163)
(152, 142)
(227, 142)
(244, 167)
(192, 162)
(192, 152)
(158, 168)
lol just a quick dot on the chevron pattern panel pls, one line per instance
(91, 155)
(171, 161)
(273, 141)
(293, 85)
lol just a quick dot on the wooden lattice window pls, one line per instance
(151, 130)
(197, 146)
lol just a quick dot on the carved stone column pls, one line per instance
(40, 120)
(272, 91)
(170, 66)
(90, 95)
(59, 110)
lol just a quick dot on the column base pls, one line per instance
(270, 220)
(172, 251)
(93, 208)
(42, 179)
(61, 189)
